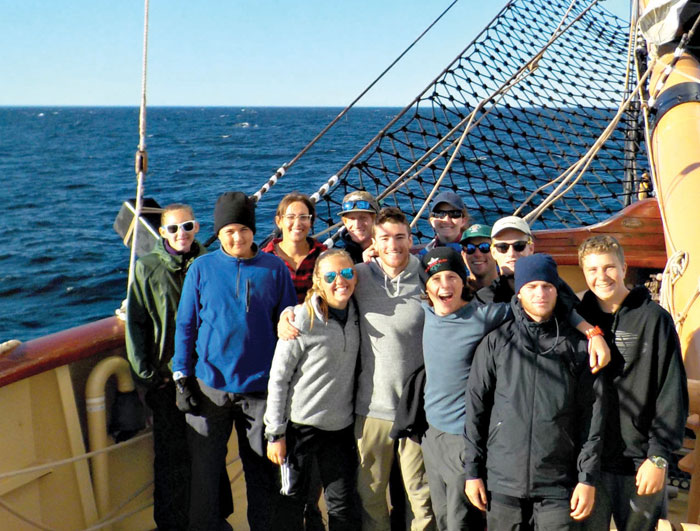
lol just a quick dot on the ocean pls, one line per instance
(68, 170)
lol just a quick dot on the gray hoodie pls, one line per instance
(391, 327)
(312, 377)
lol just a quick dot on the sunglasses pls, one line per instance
(360, 204)
(187, 226)
(442, 214)
(484, 248)
(518, 246)
(347, 273)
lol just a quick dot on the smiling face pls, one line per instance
(392, 242)
(506, 260)
(605, 276)
(295, 222)
(448, 229)
(338, 292)
(181, 240)
(444, 290)
(480, 264)
(359, 226)
(538, 299)
(237, 240)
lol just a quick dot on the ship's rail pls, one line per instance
(62, 348)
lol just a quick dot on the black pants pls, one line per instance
(208, 436)
(171, 463)
(336, 456)
(506, 513)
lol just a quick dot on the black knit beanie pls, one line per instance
(233, 207)
(535, 267)
(442, 259)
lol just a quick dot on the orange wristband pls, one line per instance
(592, 332)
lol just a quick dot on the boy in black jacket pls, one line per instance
(648, 402)
(534, 414)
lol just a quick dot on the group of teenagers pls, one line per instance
(468, 376)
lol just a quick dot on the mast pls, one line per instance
(674, 152)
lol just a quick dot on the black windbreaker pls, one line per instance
(534, 411)
(648, 401)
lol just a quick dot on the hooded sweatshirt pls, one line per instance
(648, 401)
(391, 331)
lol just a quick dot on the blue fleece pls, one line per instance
(227, 319)
(449, 344)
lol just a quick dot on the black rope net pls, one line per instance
(541, 126)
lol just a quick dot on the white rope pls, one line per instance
(141, 157)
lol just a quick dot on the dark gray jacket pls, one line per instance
(534, 412)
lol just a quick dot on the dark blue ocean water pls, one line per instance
(68, 170)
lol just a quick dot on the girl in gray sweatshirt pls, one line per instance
(309, 410)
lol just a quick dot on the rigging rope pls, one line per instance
(283, 169)
(534, 133)
(141, 162)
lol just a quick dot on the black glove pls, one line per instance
(186, 395)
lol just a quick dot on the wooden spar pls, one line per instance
(675, 150)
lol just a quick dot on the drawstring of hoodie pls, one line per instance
(556, 339)
(386, 278)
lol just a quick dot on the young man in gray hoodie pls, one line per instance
(388, 297)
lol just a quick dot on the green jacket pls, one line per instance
(151, 308)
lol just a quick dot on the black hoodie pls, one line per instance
(648, 402)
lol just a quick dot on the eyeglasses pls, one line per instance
(301, 217)
(484, 248)
(518, 246)
(358, 205)
(347, 273)
(442, 214)
(187, 226)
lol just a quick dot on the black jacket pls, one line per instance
(534, 412)
(648, 403)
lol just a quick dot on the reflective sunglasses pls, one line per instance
(187, 226)
(518, 246)
(359, 204)
(484, 248)
(442, 214)
(300, 217)
(347, 273)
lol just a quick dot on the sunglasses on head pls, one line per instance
(518, 246)
(359, 204)
(347, 273)
(187, 226)
(484, 248)
(442, 214)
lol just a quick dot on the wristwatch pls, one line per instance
(274, 437)
(592, 332)
(659, 462)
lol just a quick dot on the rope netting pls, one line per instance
(532, 133)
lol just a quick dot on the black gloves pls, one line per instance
(186, 394)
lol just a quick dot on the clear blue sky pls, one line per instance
(229, 52)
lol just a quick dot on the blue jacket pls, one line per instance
(227, 318)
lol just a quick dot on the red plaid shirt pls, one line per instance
(302, 276)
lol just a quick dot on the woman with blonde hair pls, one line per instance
(309, 411)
